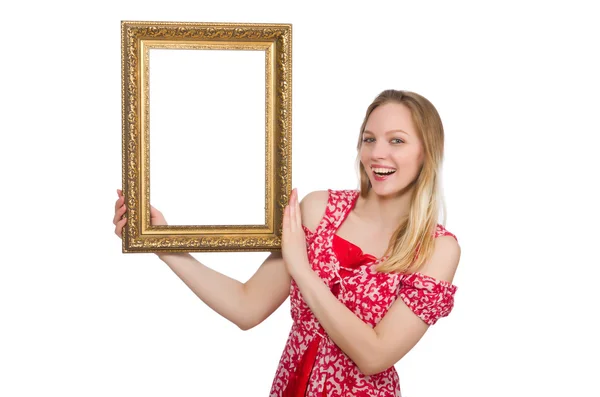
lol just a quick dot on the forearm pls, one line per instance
(354, 337)
(221, 293)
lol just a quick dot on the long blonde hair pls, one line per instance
(413, 241)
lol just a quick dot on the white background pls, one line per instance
(202, 101)
(516, 84)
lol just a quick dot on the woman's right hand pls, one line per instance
(156, 217)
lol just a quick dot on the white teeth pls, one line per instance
(384, 170)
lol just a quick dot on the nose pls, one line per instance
(380, 149)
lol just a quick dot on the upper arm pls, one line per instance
(312, 208)
(444, 261)
(400, 329)
(267, 289)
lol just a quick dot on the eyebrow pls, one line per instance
(387, 132)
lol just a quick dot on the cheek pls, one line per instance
(363, 155)
(408, 161)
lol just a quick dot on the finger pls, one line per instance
(294, 212)
(286, 217)
(119, 227)
(286, 214)
(119, 214)
(292, 220)
(296, 208)
(119, 192)
(298, 213)
(154, 213)
(284, 226)
(119, 202)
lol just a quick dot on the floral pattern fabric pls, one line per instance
(312, 365)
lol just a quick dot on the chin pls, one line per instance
(388, 190)
(385, 191)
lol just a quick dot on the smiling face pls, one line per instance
(391, 151)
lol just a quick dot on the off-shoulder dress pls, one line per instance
(312, 365)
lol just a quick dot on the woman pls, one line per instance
(367, 271)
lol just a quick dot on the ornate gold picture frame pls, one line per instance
(272, 44)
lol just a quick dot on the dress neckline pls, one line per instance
(343, 218)
(326, 220)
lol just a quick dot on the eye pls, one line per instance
(397, 140)
(368, 140)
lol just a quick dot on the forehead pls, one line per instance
(389, 117)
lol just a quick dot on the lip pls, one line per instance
(380, 178)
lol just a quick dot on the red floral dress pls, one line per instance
(312, 365)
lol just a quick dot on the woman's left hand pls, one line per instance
(293, 240)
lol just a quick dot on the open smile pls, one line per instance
(382, 173)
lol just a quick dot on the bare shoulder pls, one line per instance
(312, 207)
(444, 261)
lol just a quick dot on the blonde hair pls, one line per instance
(413, 241)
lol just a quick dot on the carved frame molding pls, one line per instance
(137, 38)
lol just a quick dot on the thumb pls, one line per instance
(155, 213)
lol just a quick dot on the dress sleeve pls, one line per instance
(427, 297)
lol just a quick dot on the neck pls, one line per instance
(387, 212)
